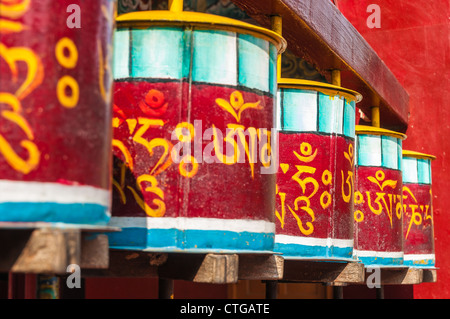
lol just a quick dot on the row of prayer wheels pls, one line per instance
(211, 150)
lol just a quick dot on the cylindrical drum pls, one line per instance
(378, 213)
(194, 108)
(315, 180)
(418, 227)
(55, 111)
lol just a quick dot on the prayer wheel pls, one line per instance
(55, 111)
(194, 107)
(378, 214)
(314, 195)
(418, 226)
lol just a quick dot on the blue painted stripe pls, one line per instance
(389, 152)
(423, 263)
(253, 62)
(91, 214)
(157, 53)
(200, 239)
(142, 238)
(349, 119)
(215, 57)
(299, 110)
(306, 251)
(369, 150)
(423, 171)
(367, 260)
(409, 170)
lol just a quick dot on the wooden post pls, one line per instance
(336, 77)
(176, 5)
(271, 289)
(376, 116)
(165, 288)
(380, 292)
(338, 292)
(376, 112)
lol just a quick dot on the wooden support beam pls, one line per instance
(94, 251)
(318, 32)
(325, 272)
(210, 268)
(399, 276)
(49, 250)
(206, 268)
(123, 263)
(429, 275)
(261, 267)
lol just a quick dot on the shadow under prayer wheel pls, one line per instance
(418, 225)
(378, 214)
(314, 195)
(55, 111)
(194, 107)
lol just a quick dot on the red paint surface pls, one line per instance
(378, 205)
(335, 220)
(413, 42)
(418, 222)
(72, 144)
(237, 194)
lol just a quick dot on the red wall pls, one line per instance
(413, 41)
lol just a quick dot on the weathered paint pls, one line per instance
(55, 103)
(315, 183)
(378, 214)
(418, 228)
(182, 80)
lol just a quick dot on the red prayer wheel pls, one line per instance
(55, 111)
(314, 199)
(418, 225)
(378, 215)
(194, 107)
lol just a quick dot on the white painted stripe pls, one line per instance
(419, 256)
(381, 254)
(310, 241)
(195, 223)
(39, 192)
